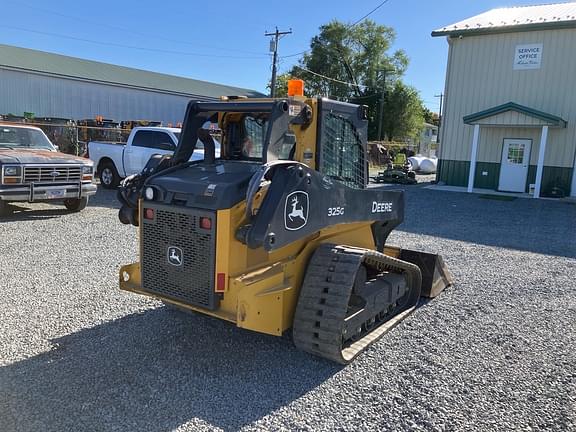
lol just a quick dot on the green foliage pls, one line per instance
(430, 116)
(351, 55)
(358, 55)
(403, 112)
(281, 85)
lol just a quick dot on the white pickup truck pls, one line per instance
(114, 161)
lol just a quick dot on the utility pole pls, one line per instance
(274, 49)
(381, 116)
(441, 96)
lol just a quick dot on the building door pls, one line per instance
(514, 165)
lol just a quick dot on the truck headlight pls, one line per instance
(87, 172)
(12, 171)
(11, 174)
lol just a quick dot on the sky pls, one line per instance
(224, 42)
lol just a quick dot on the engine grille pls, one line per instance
(175, 232)
(52, 174)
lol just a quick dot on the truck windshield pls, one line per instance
(23, 138)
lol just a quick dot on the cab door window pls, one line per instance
(254, 134)
(154, 140)
(341, 151)
(163, 141)
(143, 139)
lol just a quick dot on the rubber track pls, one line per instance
(324, 297)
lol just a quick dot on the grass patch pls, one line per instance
(497, 197)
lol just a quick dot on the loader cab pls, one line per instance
(263, 135)
(244, 136)
(328, 136)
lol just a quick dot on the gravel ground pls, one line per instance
(495, 352)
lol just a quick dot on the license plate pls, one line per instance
(54, 194)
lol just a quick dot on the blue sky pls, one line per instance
(223, 41)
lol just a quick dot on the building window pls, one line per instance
(515, 153)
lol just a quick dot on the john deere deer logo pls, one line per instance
(175, 256)
(296, 210)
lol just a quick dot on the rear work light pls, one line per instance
(205, 223)
(149, 213)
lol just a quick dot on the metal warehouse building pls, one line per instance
(52, 85)
(510, 114)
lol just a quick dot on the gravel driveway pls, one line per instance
(496, 352)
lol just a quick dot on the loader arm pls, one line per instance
(300, 202)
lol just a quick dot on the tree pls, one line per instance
(281, 85)
(353, 63)
(404, 116)
(430, 116)
(356, 55)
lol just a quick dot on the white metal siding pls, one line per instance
(48, 96)
(492, 139)
(481, 76)
(512, 118)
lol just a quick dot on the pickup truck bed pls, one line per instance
(115, 161)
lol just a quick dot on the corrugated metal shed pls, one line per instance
(515, 19)
(28, 60)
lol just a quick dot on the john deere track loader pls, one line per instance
(280, 232)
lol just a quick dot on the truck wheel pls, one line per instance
(76, 204)
(5, 209)
(109, 177)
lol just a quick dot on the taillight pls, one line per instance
(205, 223)
(221, 282)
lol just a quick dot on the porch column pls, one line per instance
(473, 157)
(540, 166)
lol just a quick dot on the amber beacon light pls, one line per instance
(295, 87)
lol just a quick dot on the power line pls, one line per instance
(370, 96)
(348, 27)
(124, 29)
(331, 79)
(370, 13)
(127, 46)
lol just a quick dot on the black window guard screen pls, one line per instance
(342, 157)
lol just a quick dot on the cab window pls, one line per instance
(254, 135)
(342, 156)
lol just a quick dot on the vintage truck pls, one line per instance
(33, 170)
(114, 161)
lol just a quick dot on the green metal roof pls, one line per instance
(24, 59)
(512, 106)
(514, 19)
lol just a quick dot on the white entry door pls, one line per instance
(514, 166)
